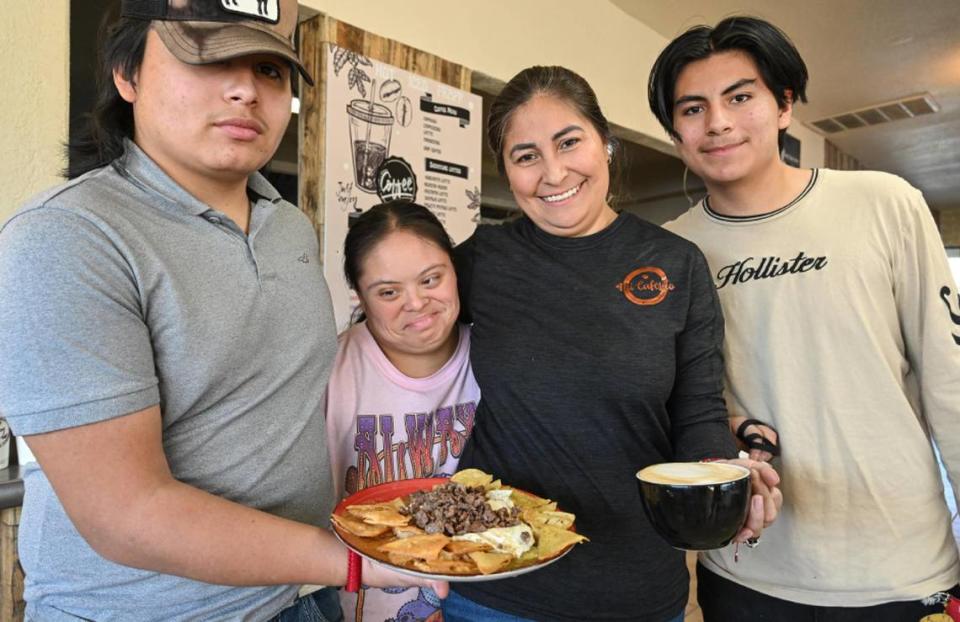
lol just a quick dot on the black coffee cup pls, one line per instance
(695, 506)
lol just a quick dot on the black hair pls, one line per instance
(372, 226)
(780, 65)
(559, 82)
(100, 141)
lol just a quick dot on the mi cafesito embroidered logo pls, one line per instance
(646, 286)
(945, 294)
(268, 10)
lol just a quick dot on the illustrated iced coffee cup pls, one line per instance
(696, 506)
(371, 125)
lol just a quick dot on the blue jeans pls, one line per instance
(320, 606)
(456, 608)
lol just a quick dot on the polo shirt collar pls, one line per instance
(136, 164)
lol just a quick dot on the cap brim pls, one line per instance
(200, 43)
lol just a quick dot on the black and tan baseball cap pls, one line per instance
(206, 31)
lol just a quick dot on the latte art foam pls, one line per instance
(692, 473)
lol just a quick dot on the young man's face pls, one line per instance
(728, 119)
(219, 121)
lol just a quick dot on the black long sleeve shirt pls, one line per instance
(596, 356)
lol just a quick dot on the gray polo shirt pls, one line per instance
(120, 290)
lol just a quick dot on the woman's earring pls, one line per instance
(609, 153)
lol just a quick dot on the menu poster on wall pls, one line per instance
(393, 135)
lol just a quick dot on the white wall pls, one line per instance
(34, 69)
(955, 266)
(811, 145)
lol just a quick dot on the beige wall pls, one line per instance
(34, 68)
(610, 49)
(496, 37)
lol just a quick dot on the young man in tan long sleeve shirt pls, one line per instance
(841, 331)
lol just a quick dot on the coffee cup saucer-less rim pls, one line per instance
(745, 473)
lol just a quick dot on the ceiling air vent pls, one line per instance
(905, 108)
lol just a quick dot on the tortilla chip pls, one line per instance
(378, 515)
(445, 566)
(552, 541)
(399, 559)
(525, 500)
(421, 547)
(494, 485)
(529, 557)
(357, 527)
(472, 477)
(488, 563)
(362, 510)
(405, 531)
(538, 517)
(462, 547)
(394, 504)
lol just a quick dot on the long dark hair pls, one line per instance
(562, 83)
(371, 227)
(780, 65)
(100, 141)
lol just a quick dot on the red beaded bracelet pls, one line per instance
(354, 571)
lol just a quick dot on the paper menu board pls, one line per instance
(392, 134)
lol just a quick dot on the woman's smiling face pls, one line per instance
(408, 290)
(557, 166)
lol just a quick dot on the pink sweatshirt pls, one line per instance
(383, 426)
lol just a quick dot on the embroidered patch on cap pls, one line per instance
(266, 10)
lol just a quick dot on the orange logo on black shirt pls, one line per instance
(646, 286)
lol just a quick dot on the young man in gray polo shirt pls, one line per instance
(167, 338)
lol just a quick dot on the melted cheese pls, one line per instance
(504, 539)
(497, 499)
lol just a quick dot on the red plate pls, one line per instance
(392, 490)
(388, 492)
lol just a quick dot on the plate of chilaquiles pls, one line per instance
(466, 528)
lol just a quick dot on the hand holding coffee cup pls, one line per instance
(766, 498)
(696, 505)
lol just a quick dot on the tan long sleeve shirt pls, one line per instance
(843, 331)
